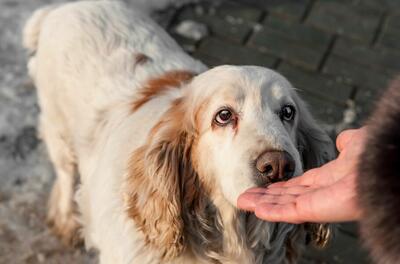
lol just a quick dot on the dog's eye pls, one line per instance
(287, 113)
(223, 117)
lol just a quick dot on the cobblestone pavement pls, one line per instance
(340, 54)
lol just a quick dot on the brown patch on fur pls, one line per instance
(318, 234)
(162, 184)
(165, 195)
(169, 80)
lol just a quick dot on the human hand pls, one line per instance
(324, 194)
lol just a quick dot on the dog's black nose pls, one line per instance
(275, 165)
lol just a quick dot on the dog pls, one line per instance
(163, 146)
(378, 182)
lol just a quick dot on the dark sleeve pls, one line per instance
(378, 183)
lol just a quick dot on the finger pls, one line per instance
(278, 212)
(256, 190)
(296, 189)
(309, 178)
(277, 184)
(276, 199)
(263, 189)
(344, 138)
(247, 200)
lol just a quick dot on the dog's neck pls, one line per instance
(217, 232)
(224, 234)
(235, 244)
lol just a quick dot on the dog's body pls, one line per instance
(120, 105)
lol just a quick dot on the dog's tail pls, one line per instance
(33, 27)
(31, 34)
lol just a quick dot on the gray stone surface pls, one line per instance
(281, 44)
(355, 22)
(229, 53)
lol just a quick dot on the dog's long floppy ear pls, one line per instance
(315, 146)
(155, 185)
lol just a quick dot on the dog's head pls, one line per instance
(233, 128)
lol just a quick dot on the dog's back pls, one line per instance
(87, 57)
(95, 48)
(88, 61)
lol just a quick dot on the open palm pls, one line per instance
(324, 194)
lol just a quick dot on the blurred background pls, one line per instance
(340, 54)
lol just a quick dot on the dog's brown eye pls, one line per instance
(223, 117)
(287, 113)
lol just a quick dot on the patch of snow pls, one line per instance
(348, 121)
(199, 10)
(234, 20)
(192, 30)
(257, 27)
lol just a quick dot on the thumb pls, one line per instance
(344, 138)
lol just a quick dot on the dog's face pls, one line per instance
(247, 123)
(234, 127)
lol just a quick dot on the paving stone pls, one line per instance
(237, 10)
(381, 4)
(275, 43)
(293, 10)
(299, 33)
(393, 21)
(229, 53)
(359, 23)
(217, 25)
(165, 17)
(378, 5)
(390, 39)
(365, 102)
(378, 59)
(354, 73)
(189, 45)
(324, 111)
(207, 60)
(288, 9)
(350, 228)
(322, 86)
(343, 249)
(305, 260)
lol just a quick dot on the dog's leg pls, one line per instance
(62, 213)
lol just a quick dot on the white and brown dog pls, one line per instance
(163, 145)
